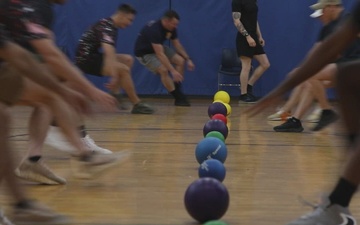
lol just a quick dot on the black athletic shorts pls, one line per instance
(243, 48)
(93, 65)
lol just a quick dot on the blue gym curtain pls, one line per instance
(205, 28)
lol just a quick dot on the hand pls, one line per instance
(251, 41)
(76, 100)
(261, 41)
(177, 77)
(104, 99)
(190, 65)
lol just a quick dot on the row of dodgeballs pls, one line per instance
(207, 199)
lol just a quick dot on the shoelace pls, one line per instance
(317, 209)
(90, 143)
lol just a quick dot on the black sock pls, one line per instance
(53, 123)
(24, 204)
(177, 94)
(249, 88)
(34, 158)
(352, 138)
(343, 193)
(82, 130)
(177, 85)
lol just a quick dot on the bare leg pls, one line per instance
(348, 83)
(63, 114)
(179, 63)
(123, 68)
(326, 74)
(264, 64)
(6, 160)
(293, 99)
(38, 127)
(244, 74)
(166, 80)
(305, 102)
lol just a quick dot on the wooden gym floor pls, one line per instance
(266, 171)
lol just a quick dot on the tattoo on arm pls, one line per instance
(236, 15)
(239, 26)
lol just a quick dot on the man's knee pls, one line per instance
(122, 69)
(162, 71)
(266, 65)
(127, 60)
(178, 60)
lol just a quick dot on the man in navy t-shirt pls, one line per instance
(159, 58)
(334, 209)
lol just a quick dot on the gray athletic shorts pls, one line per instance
(152, 62)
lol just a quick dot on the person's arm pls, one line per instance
(181, 50)
(240, 27)
(109, 59)
(28, 66)
(61, 66)
(159, 51)
(258, 32)
(322, 54)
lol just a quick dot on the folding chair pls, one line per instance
(230, 66)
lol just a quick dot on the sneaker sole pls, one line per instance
(293, 130)
(43, 180)
(274, 119)
(325, 125)
(143, 112)
(61, 220)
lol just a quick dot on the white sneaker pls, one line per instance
(57, 140)
(314, 117)
(38, 172)
(4, 220)
(95, 164)
(38, 214)
(90, 144)
(279, 116)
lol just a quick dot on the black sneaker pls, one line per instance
(291, 125)
(182, 102)
(248, 98)
(142, 108)
(327, 117)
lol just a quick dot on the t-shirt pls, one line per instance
(104, 31)
(152, 33)
(25, 20)
(353, 51)
(356, 14)
(249, 14)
